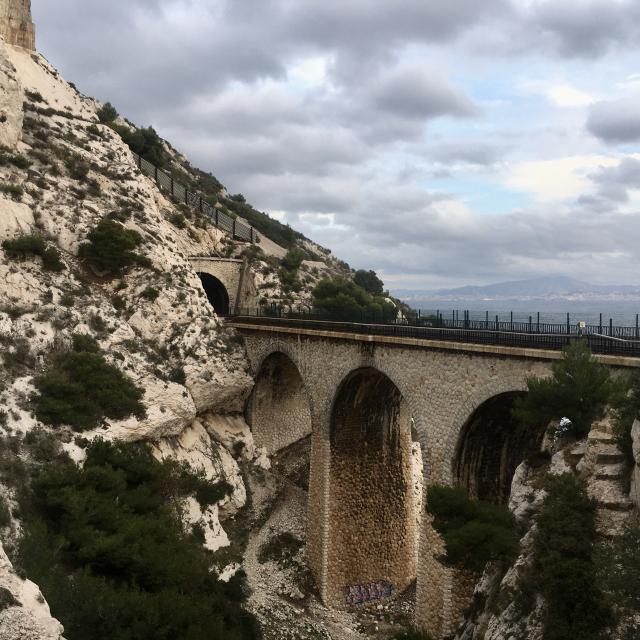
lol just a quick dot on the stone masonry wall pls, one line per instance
(372, 520)
(16, 25)
(278, 410)
(441, 389)
(240, 286)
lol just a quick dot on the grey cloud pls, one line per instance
(467, 152)
(616, 121)
(420, 94)
(585, 28)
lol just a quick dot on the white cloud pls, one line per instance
(568, 96)
(556, 180)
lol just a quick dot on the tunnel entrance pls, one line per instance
(216, 293)
(373, 502)
(278, 410)
(492, 444)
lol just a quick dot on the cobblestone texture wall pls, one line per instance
(16, 25)
(441, 389)
(240, 286)
(278, 410)
(372, 525)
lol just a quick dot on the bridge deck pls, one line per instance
(539, 346)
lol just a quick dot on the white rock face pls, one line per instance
(11, 113)
(205, 456)
(525, 499)
(31, 620)
(233, 433)
(635, 478)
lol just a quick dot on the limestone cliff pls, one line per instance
(61, 172)
(16, 25)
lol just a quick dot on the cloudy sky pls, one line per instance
(438, 142)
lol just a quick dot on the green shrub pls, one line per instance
(151, 294)
(81, 389)
(343, 299)
(106, 546)
(34, 245)
(579, 389)
(145, 142)
(625, 404)
(292, 260)
(564, 571)
(110, 247)
(7, 157)
(178, 220)
(5, 514)
(369, 281)
(474, 532)
(178, 375)
(280, 548)
(94, 131)
(14, 190)
(77, 167)
(107, 113)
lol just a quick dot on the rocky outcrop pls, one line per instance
(24, 614)
(16, 23)
(11, 113)
(635, 474)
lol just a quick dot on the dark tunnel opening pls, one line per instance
(216, 293)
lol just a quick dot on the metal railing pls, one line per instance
(238, 230)
(519, 335)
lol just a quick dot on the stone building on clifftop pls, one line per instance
(16, 25)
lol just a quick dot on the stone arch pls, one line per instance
(278, 410)
(373, 509)
(217, 293)
(491, 446)
(468, 406)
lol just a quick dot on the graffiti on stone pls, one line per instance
(363, 593)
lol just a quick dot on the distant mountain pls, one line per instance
(535, 288)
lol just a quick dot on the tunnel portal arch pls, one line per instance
(278, 410)
(490, 447)
(217, 293)
(374, 503)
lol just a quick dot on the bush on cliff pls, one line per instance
(474, 532)
(105, 544)
(80, 388)
(145, 142)
(579, 389)
(564, 571)
(33, 245)
(369, 281)
(110, 247)
(343, 299)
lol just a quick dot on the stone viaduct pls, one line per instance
(389, 416)
(228, 283)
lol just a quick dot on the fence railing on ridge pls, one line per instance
(237, 229)
(622, 341)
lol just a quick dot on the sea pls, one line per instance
(621, 312)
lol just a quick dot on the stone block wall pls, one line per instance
(236, 277)
(440, 389)
(16, 24)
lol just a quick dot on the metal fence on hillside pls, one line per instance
(166, 182)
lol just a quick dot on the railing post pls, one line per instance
(172, 188)
(186, 196)
(511, 324)
(600, 325)
(538, 322)
(637, 326)
(234, 228)
(155, 171)
(201, 205)
(497, 328)
(530, 324)
(140, 162)
(217, 214)
(568, 325)
(486, 320)
(611, 327)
